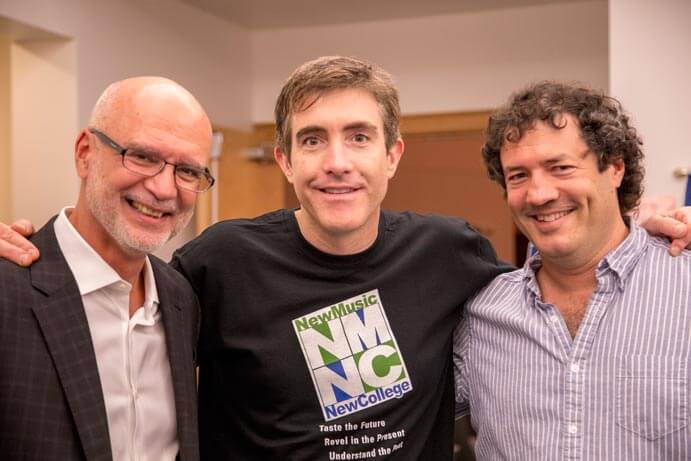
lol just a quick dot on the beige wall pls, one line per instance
(110, 41)
(5, 157)
(650, 64)
(121, 38)
(44, 125)
(448, 63)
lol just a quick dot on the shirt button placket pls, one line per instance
(133, 391)
(574, 384)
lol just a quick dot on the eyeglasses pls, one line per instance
(147, 164)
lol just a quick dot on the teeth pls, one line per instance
(337, 191)
(146, 210)
(551, 217)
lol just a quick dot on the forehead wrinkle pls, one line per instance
(550, 160)
(363, 125)
(565, 155)
(555, 158)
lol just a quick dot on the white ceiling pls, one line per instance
(264, 14)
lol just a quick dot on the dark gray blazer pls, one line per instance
(51, 403)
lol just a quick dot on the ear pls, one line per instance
(284, 162)
(618, 171)
(394, 156)
(82, 154)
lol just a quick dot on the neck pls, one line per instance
(128, 266)
(338, 243)
(567, 279)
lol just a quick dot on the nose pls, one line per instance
(337, 159)
(541, 190)
(162, 185)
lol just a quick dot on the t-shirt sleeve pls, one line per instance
(193, 259)
(477, 254)
(184, 264)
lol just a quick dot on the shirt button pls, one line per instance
(575, 368)
(573, 429)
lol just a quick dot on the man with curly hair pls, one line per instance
(585, 352)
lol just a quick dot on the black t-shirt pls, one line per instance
(309, 356)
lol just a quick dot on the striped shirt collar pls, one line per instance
(620, 261)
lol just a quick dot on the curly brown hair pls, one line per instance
(314, 78)
(604, 127)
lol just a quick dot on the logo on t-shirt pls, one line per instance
(352, 355)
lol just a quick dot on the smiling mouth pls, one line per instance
(550, 217)
(339, 190)
(145, 210)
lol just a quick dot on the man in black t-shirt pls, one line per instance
(326, 330)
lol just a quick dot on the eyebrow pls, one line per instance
(510, 169)
(559, 157)
(158, 154)
(311, 129)
(550, 161)
(316, 129)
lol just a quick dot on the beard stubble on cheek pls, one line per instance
(103, 203)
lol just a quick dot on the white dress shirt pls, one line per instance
(131, 352)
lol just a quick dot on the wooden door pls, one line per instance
(246, 186)
(442, 172)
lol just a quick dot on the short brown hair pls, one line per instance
(604, 127)
(314, 78)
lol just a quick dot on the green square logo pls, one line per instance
(352, 355)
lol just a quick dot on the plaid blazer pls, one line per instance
(51, 402)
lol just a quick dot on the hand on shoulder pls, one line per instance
(14, 243)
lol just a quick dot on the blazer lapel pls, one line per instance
(180, 356)
(60, 315)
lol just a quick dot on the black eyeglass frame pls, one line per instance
(122, 151)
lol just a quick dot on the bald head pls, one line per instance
(135, 98)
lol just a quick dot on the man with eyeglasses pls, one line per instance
(98, 338)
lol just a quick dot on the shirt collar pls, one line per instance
(90, 271)
(621, 260)
(530, 268)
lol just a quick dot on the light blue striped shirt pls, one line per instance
(620, 390)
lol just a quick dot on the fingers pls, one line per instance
(24, 227)
(683, 240)
(681, 214)
(665, 226)
(15, 247)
